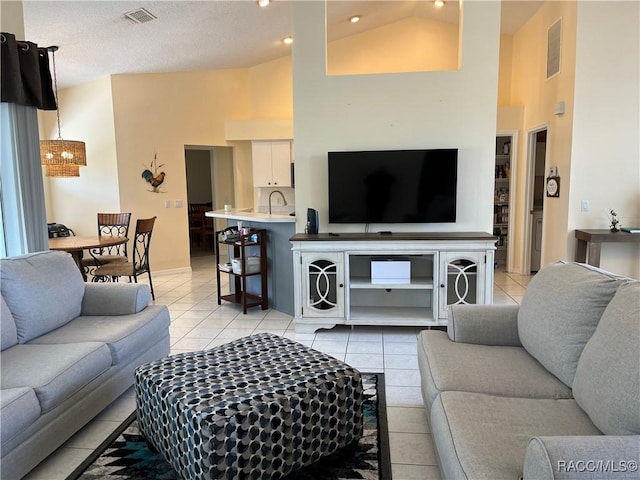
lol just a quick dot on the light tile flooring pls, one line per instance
(198, 323)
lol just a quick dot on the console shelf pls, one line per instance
(407, 316)
(334, 285)
(425, 283)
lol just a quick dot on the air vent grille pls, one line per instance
(141, 15)
(554, 44)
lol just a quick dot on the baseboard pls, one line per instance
(171, 271)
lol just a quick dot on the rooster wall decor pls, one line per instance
(152, 176)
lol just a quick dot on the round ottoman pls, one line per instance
(260, 407)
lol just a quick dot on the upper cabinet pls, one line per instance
(271, 163)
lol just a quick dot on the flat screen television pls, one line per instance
(393, 186)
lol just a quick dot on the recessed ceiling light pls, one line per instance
(264, 3)
(439, 3)
(354, 19)
(287, 40)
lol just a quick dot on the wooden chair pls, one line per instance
(196, 222)
(114, 224)
(208, 231)
(140, 264)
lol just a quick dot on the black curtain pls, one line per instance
(26, 78)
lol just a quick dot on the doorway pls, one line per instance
(210, 186)
(536, 161)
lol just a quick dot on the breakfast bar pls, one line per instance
(280, 227)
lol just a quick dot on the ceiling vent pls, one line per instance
(141, 15)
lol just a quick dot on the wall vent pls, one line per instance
(554, 44)
(141, 15)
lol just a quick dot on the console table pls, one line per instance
(590, 242)
(334, 285)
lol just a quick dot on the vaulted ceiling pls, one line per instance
(96, 39)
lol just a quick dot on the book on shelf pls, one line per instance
(631, 229)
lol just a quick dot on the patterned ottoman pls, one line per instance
(258, 407)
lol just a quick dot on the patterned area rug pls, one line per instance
(125, 455)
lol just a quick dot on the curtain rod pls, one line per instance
(25, 45)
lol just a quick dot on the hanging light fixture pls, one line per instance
(61, 153)
(65, 170)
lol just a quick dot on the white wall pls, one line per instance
(434, 46)
(161, 113)
(606, 129)
(12, 19)
(86, 114)
(538, 96)
(453, 109)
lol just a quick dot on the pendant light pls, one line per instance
(61, 158)
(64, 170)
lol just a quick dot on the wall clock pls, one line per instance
(553, 186)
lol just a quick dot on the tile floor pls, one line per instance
(198, 322)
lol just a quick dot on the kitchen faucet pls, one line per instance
(281, 194)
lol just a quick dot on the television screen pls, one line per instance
(393, 186)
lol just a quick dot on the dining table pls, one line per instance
(76, 245)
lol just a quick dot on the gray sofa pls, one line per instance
(68, 350)
(549, 389)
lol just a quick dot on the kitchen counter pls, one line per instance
(248, 215)
(280, 227)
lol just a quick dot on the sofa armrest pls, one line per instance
(115, 298)
(582, 457)
(484, 324)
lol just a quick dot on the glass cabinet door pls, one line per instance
(461, 279)
(323, 285)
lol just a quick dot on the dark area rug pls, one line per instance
(125, 455)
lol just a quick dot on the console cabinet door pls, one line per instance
(461, 279)
(323, 284)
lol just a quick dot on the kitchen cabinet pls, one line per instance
(271, 163)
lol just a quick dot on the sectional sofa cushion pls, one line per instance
(591, 457)
(115, 298)
(485, 436)
(607, 382)
(8, 332)
(55, 372)
(559, 312)
(19, 409)
(43, 291)
(505, 371)
(126, 335)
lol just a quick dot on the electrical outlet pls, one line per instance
(167, 204)
(584, 206)
(178, 203)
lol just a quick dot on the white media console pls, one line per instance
(334, 285)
